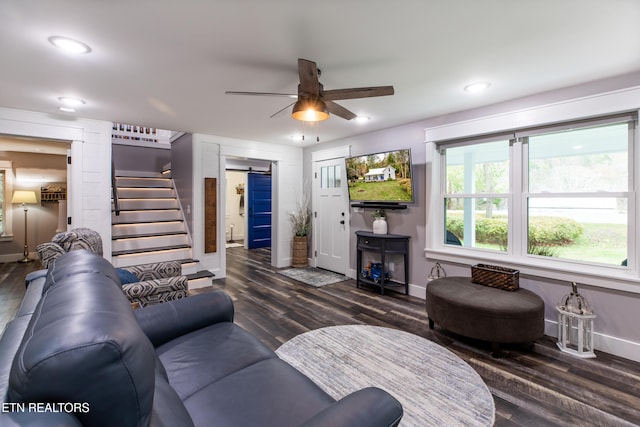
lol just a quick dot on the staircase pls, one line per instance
(149, 226)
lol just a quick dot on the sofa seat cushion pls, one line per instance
(168, 409)
(197, 359)
(267, 393)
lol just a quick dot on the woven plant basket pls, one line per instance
(299, 253)
(495, 277)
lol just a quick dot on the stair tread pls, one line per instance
(147, 209)
(162, 214)
(141, 177)
(158, 178)
(188, 260)
(147, 250)
(200, 275)
(144, 235)
(145, 197)
(132, 222)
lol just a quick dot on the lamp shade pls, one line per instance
(24, 196)
(310, 110)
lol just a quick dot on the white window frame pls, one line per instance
(612, 277)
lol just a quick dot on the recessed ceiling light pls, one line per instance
(67, 109)
(362, 119)
(69, 45)
(476, 87)
(71, 102)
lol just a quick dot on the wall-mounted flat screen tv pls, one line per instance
(380, 177)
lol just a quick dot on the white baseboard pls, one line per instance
(605, 343)
(414, 290)
(418, 291)
(17, 257)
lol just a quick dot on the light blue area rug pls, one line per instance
(434, 386)
(313, 276)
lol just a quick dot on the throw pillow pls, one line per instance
(126, 276)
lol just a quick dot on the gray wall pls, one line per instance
(618, 317)
(132, 158)
(411, 221)
(182, 173)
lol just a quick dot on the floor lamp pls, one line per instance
(23, 197)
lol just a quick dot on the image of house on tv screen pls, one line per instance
(380, 177)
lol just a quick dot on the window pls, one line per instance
(562, 193)
(476, 195)
(330, 177)
(578, 194)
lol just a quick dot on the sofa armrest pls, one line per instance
(164, 322)
(369, 407)
(33, 276)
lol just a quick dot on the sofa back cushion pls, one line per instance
(83, 345)
(76, 262)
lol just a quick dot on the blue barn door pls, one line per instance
(259, 210)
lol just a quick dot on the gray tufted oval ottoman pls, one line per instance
(484, 313)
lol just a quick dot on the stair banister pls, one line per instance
(114, 189)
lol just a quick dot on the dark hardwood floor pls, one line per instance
(531, 386)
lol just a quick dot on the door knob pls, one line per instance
(342, 222)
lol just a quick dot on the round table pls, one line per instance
(434, 386)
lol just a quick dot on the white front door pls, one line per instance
(331, 215)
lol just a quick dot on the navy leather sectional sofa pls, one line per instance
(77, 354)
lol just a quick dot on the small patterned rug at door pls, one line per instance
(313, 276)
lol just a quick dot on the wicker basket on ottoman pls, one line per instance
(485, 313)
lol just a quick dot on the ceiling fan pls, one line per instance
(313, 102)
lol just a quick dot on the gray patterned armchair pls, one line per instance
(145, 284)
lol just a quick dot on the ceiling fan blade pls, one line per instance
(357, 92)
(308, 74)
(339, 110)
(288, 95)
(280, 110)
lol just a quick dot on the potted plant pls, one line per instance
(379, 222)
(301, 226)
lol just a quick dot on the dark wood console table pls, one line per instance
(383, 244)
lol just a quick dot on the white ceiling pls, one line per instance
(167, 64)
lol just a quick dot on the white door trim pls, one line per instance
(332, 153)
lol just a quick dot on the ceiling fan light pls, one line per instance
(310, 110)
